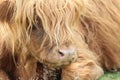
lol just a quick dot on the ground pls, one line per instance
(111, 76)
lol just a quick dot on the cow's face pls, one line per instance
(51, 49)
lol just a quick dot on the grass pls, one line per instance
(110, 76)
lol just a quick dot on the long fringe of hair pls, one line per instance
(90, 24)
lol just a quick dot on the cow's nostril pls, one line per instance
(61, 53)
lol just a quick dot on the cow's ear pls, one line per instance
(6, 10)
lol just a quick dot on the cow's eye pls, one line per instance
(34, 27)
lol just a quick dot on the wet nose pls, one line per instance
(66, 52)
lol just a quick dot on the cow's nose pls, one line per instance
(66, 52)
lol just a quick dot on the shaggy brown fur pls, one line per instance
(82, 37)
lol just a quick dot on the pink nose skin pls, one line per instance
(66, 52)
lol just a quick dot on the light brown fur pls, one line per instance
(32, 30)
